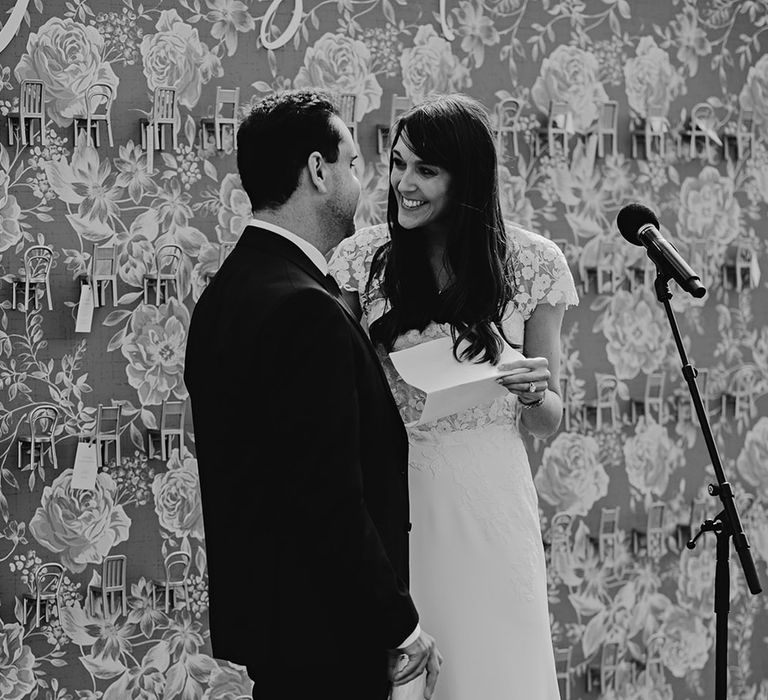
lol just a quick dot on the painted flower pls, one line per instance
(81, 526)
(430, 67)
(650, 79)
(515, 206)
(228, 681)
(756, 524)
(10, 231)
(695, 591)
(637, 339)
(68, 57)
(235, 210)
(754, 94)
(228, 18)
(571, 477)
(154, 349)
(340, 64)
(650, 457)
(570, 75)
(692, 40)
(177, 496)
(175, 57)
(709, 212)
(132, 171)
(752, 462)
(687, 642)
(17, 675)
(147, 681)
(477, 30)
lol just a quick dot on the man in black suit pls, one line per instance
(301, 450)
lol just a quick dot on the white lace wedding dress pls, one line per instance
(477, 562)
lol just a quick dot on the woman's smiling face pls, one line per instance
(421, 189)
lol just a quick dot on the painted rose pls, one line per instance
(687, 642)
(752, 462)
(695, 591)
(515, 206)
(650, 79)
(650, 457)
(571, 477)
(68, 57)
(228, 681)
(17, 675)
(154, 348)
(709, 212)
(147, 681)
(10, 231)
(570, 75)
(754, 94)
(430, 67)
(81, 526)
(176, 57)
(341, 64)
(235, 209)
(177, 496)
(637, 339)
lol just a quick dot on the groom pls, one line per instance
(301, 450)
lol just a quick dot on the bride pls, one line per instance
(447, 265)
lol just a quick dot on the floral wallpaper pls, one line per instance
(652, 58)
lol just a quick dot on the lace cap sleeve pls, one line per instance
(350, 263)
(542, 274)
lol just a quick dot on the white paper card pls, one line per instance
(84, 310)
(450, 386)
(86, 467)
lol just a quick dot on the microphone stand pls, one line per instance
(726, 524)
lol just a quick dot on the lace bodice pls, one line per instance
(541, 276)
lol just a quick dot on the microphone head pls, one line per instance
(632, 218)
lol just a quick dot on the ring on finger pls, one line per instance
(532, 388)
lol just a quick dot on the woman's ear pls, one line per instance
(317, 169)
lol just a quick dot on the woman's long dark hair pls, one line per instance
(452, 132)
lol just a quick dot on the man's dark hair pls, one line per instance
(275, 140)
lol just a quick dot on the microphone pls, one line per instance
(639, 225)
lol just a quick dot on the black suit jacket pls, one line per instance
(303, 468)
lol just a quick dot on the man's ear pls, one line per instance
(318, 173)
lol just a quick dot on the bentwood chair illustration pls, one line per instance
(167, 260)
(172, 416)
(111, 585)
(103, 273)
(39, 434)
(31, 111)
(702, 127)
(176, 566)
(563, 669)
(740, 271)
(38, 260)
(45, 591)
(604, 675)
(740, 394)
(347, 104)
(507, 117)
(98, 108)
(606, 128)
(224, 115)
(606, 399)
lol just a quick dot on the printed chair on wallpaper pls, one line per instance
(31, 111)
(604, 675)
(98, 108)
(103, 272)
(606, 128)
(563, 669)
(651, 540)
(176, 566)
(105, 432)
(507, 116)
(702, 126)
(36, 276)
(224, 115)
(172, 416)
(39, 433)
(651, 131)
(166, 269)
(165, 113)
(45, 591)
(559, 126)
(107, 586)
(742, 140)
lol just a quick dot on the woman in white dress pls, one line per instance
(446, 264)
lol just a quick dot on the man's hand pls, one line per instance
(422, 654)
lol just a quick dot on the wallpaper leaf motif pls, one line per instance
(71, 195)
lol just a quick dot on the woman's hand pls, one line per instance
(527, 378)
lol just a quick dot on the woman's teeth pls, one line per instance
(412, 203)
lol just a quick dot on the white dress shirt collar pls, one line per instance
(307, 248)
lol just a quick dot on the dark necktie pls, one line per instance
(332, 286)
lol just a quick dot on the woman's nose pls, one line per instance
(405, 184)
